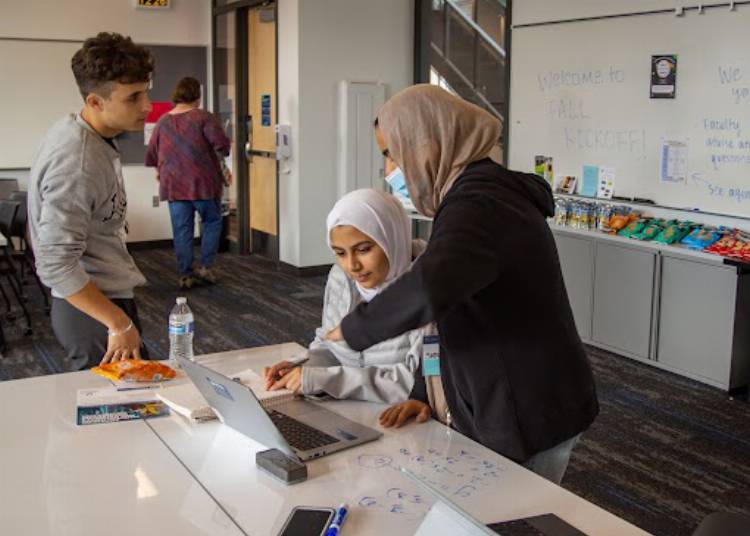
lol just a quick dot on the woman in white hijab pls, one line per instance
(370, 235)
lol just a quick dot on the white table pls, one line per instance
(166, 476)
(107, 479)
(383, 499)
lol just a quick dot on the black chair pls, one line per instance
(24, 254)
(7, 186)
(8, 211)
(724, 524)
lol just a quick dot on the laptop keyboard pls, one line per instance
(298, 434)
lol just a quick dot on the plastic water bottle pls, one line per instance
(180, 332)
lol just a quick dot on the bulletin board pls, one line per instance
(38, 88)
(172, 64)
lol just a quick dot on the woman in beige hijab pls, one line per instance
(514, 371)
(432, 136)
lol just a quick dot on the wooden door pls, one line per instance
(262, 169)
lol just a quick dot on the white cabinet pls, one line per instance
(624, 299)
(697, 322)
(682, 311)
(577, 263)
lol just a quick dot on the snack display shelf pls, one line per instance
(673, 250)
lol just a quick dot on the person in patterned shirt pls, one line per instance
(187, 148)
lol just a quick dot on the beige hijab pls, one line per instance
(433, 135)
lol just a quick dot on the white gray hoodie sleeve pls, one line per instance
(64, 218)
(375, 383)
(335, 369)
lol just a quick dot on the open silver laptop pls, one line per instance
(296, 427)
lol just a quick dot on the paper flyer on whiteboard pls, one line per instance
(673, 161)
(590, 180)
(606, 184)
(664, 76)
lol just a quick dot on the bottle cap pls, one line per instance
(181, 300)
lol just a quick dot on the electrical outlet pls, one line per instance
(155, 201)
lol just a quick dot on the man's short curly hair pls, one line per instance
(109, 58)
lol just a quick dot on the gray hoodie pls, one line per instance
(77, 208)
(382, 373)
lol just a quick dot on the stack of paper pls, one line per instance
(186, 400)
(107, 404)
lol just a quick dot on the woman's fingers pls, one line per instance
(270, 372)
(295, 385)
(395, 415)
(424, 414)
(400, 414)
(280, 384)
(386, 414)
(388, 420)
(291, 378)
(404, 416)
(276, 372)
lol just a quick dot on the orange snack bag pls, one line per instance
(135, 370)
(618, 222)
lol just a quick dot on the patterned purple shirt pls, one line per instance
(184, 148)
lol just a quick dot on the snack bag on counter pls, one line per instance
(702, 237)
(135, 370)
(744, 253)
(632, 228)
(603, 216)
(674, 232)
(619, 221)
(593, 218)
(650, 231)
(740, 248)
(561, 211)
(724, 245)
(581, 216)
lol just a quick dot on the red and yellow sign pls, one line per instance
(152, 4)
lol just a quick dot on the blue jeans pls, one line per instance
(183, 230)
(552, 463)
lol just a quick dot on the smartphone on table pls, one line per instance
(307, 521)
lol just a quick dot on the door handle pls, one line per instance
(250, 153)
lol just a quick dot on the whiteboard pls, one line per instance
(580, 93)
(37, 89)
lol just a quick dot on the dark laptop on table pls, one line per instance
(296, 427)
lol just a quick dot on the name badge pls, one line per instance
(431, 355)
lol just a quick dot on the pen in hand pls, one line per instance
(276, 372)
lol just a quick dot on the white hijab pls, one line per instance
(380, 216)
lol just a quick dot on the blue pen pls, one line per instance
(338, 520)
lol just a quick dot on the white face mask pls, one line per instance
(397, 182)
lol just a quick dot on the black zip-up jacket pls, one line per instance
(514, 370)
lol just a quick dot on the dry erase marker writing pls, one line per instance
(338, 520)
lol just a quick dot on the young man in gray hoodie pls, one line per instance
(77, 205)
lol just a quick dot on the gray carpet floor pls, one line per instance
(664, 452)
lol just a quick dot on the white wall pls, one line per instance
(320, 44)
(188, 22)
(288, 114)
